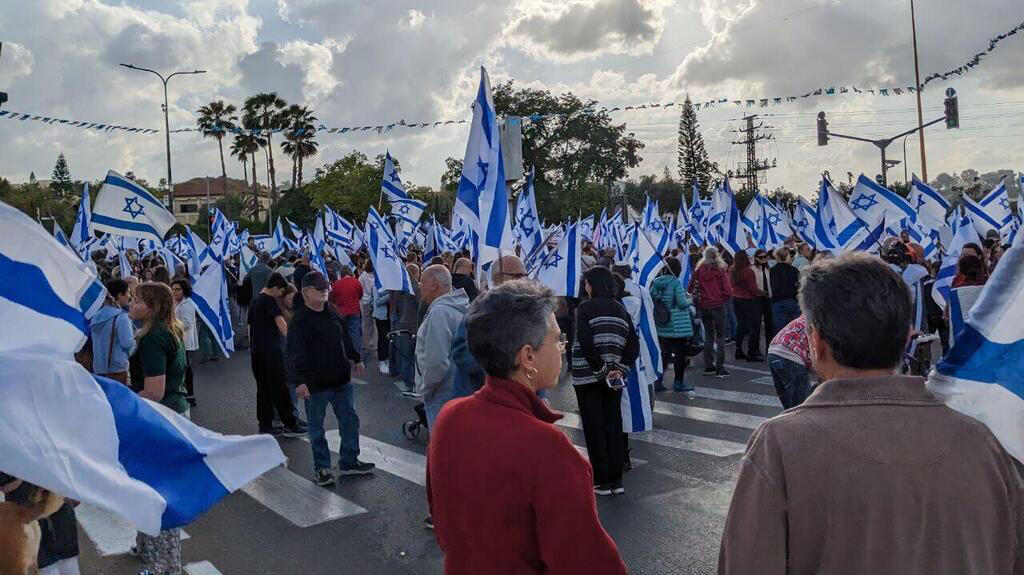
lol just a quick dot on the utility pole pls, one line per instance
(917, 84)
(750, 169)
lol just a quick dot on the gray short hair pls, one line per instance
(504, 319)
(860, 307)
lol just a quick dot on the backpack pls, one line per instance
(662, 314)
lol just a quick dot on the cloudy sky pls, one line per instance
(375, 62)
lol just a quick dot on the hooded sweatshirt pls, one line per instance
(107, 358)
(434, 341)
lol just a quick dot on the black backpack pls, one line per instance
(662, 314)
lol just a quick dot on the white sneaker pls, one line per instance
(385, 369)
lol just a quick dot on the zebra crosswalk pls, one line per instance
(298, 500)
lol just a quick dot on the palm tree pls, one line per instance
(263, 111)
(299, 138)
(215, 120)
(244, 147)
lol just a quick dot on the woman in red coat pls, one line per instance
(507, 490)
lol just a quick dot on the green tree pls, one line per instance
(349, 185)
(244, 148)
(60, 179)
(215, 120)
(693, 162)
(300, 138)
(263, 111)
(575, 150)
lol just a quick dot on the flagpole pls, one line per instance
(917, 79)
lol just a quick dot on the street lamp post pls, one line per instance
(917, 79)
(167, 125)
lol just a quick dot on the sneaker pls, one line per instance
(722, 373)
(191, 399)
(757, 357)
(617, 488)
(297, 430)
(324, 477)
(385, 369)
(659, 387)
(740, 355)
(428, 523)
(275, 431)
(603, 490)
(360, 468)
(710, 371)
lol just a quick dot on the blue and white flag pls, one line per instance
(316, 256)
(390, 184)
(58, 234)
(963, 234)
(637, 411)
(805, 219)
(837, 227)
(44, 287)
(124, 265)
(127, 209)
(562, 269)
(699, 212)
(482, 199)
(389, 270)
(980, 376)
(220, 240)
(407, 214)
(868, 199)
(869, 238)
(94, 440)
(647, 256)
(296, 231)
(527, 219)
(992, 212)
(210, 295)
(725, 225)
(82, 232)
(247, 259)
(929, 204)
(338, 228)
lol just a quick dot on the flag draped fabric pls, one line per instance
(981, 374)
(82, 233)
(390, 184)
(636, 408)
(127, 209)
(962, 235)
(210, 296)
(527, 220)
(562, 269)
(929, 204)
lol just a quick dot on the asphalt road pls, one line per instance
(669, 521)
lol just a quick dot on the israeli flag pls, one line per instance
(981, 374)
(125, 265)
(868, 199)
(562, 269)
(316, 257)
(247, 260)
(992, 212)
(962, 235)
(390, 273)
(170, 260)
(698, 216)
(210, 295)
(805, 219)
(391, 185)
(338, 228)
(44, 287)
(482, 200)
(220, 241)
(376, 228)
(407, 213)
(93, 440)
(647, 255)
(527, 219)
(725, 220)
(837, 226)
(58, 234)
(81, 233)
(868, 238)
(636, 409)
(929, 204)
(341, 255)
(127, 209)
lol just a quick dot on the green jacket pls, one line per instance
(670, 292)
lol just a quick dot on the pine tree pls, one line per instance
(60, 179)
(693, 157)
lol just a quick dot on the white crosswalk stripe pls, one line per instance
(201, 568)
(299, 500)
(673, 439)
(109, 533)
(738, 397)
(709, 415)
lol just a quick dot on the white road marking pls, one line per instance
(710, 415)
(201, 568)
(673, 439)
(299, 500)
(738, 397)
(750, 369)
(111, 534)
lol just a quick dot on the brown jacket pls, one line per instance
(874, 476)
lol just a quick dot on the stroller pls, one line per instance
(412, 427)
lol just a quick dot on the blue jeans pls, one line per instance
(783, 312)
(342, 401)
(403, 362)
(791, 379)
(730, 320)
(354, 327)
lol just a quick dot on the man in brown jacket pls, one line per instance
(872, 474)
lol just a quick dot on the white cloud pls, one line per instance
(413, 20)
(16, 60)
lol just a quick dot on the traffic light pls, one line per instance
(952, 109)
(822, 129)
(3, 98)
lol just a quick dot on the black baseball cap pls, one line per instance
(315, 279)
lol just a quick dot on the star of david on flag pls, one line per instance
(127, 209)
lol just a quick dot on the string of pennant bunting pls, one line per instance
(535, 118)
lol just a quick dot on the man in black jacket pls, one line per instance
(462, 278)
(320, 351)
(785, 280)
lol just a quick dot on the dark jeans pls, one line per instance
(342, 401)
(601, 414)
(791, 379)
(764, 315)
(783, 312)
(748, 325)
(673, 349)
(403, 362)
(271, 389)
(730, 320)
(353, 324)
(383, 347)
(714, 337)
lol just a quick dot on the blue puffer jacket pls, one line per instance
(669, 291)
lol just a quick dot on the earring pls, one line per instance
(530, 376)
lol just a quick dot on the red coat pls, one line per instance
(714, 284)
(509, 493)
(345, 295)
